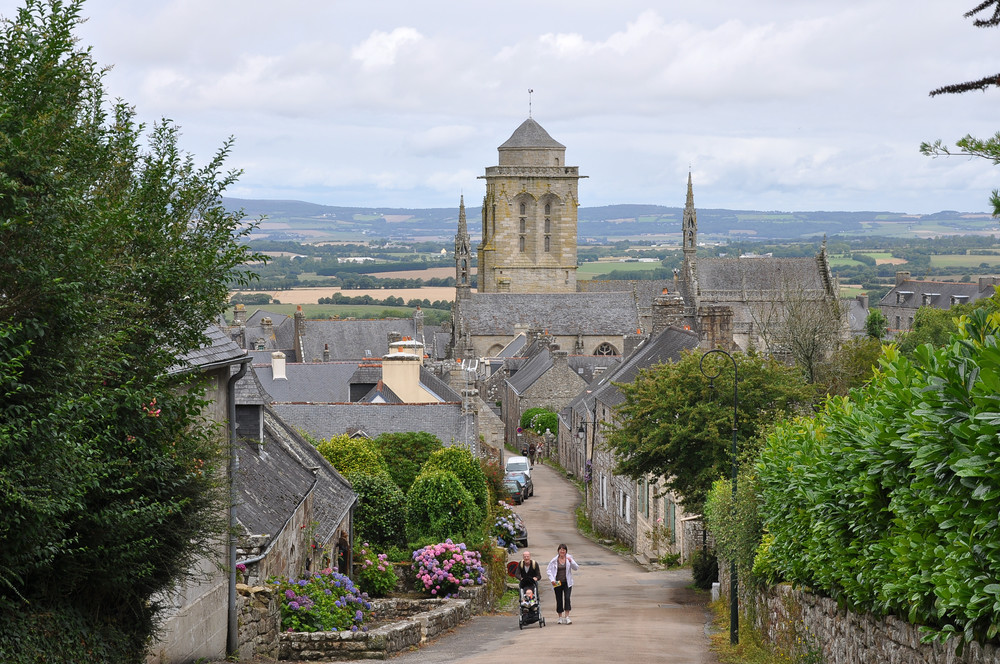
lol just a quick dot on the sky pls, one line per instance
(771, 104)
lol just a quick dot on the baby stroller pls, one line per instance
(530, 613)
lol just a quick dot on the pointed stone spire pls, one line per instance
(463, 254)
(689, 224)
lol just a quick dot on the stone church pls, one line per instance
(527, 262)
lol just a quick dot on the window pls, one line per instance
(548, 225)
(605, 349)
(548, 208)
(624, 506)
(524, 225)
(604, 491)
(547, 243)
(523, 208)
(520, 242)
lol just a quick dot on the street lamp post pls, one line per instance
(734, 607)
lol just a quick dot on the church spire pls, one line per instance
(689, 224)
(463, 253)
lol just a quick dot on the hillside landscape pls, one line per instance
(299, 221)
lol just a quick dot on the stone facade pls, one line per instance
(900, 304)
(529, 217)
(259, 622)
(804, 624)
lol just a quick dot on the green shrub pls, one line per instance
(353, 455)
(704, 569)
(380, 515)
(493, 472)
(439, 507)
(460, 461)
(406, 453)
(888, 500)
(737, 531)
(377, 577)
(63, 635)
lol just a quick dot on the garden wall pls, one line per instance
(807, 625)
(407, 623)
(413, 622)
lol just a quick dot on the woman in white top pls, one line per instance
(560, 573)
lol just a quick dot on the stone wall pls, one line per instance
(807, 625)
(258, 621)
(413, 622)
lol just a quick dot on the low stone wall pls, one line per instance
(258, 621)
(413, 622)
(804, 624)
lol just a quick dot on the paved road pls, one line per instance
(621, 612)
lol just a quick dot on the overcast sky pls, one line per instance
(772, 104)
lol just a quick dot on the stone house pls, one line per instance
(196, 618)
(548, 378)
(631, 512)
(900, 304)
(390, 394)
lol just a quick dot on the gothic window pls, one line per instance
(520, 241)
(605, 349)
(548, 224)
(547, 245)
(523, 208)
(524, 225)
(548, 208)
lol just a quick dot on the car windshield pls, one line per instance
(517, 466)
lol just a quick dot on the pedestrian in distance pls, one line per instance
(560, 572)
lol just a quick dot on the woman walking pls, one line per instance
(560, 573)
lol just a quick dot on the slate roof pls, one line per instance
(274, 478)
(665, 346)
(941, 292)
(532, 370)
(249, 391)
(514, 347)
(329, 382)
(531, 135)
(558, 313)
(277, 336)
(381, 394)
(444, 420)
(756, 277)
(220, 351)
(351, 339)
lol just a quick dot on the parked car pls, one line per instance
(518, 464)
(525, 479)
(515, 490)
(521, 531)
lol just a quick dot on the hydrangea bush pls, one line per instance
(504, 528)
(323, 602)
(442, 569)
(377, 577)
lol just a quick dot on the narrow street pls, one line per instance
(621, 612)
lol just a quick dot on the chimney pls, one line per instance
(559, 358)
(667, 310)
(278, 366)
(716, 326)
(986, 282)
(901, 277)
(401, 374)
(863, 299)
(632, 341)
(300, 333)
(239, 314)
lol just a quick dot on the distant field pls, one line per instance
(591, 270)
(962, 260)
(328, 310)
(306, 296)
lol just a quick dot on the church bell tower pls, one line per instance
(529, 217)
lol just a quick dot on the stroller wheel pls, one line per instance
(541, 623)
(520, 624)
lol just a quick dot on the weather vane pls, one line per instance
(529, 101)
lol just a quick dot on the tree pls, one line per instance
(969, 145)
(876, 325)
(676, 424)
(850, 366)
(114, 254)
